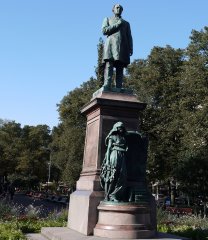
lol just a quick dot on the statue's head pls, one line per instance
(117, 9)
(119, 127)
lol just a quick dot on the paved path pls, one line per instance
(64, 233)
(45, 206)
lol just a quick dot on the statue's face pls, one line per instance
(117, 9)
(120, 129)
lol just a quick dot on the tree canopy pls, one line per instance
(174, 83)
(22, 150)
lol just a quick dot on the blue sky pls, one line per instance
(49, 47)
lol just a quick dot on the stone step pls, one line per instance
(64, 233)
(35, 236)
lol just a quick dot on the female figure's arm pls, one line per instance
(108, 152)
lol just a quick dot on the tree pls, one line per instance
(174, 83)
(21, 151)
(156, 81)
(33, 160)
(100, 65)
(3, 121)
(194, 115)
(10, 135)
(194, 91)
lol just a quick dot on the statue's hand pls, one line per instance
(131, 53)
(119, 22)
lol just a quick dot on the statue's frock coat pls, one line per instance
(118, 44)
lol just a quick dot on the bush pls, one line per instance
(8, 210)
(193, 227)
(10, 231)
(14, 223)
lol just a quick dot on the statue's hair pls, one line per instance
(119, 5)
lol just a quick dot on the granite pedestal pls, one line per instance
(125, 221)
(104, 109)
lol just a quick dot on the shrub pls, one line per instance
(14, 222)
(193, 227)
(8, 210)
(9, 230)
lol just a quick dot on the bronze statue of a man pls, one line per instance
(118, 46)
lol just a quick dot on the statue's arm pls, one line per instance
(108, 29)
(108, 152)
(130, 40)
(133, 133)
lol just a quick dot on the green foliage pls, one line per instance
(194, 100)
(21, 151)
(10, 232)
(10, 145)
(163, 216)
(16, 228)
(194, 171)
(156, 82)
(100, 66)
(33, 160)
(174, 83)
(8, 209)
(192, 227)
(185, 231)
(14, 224)
(35, 225)
(3, 121)
(193, 153)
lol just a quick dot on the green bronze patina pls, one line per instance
(114, 90)
(123, 171)
(118, 46)
(114, 172)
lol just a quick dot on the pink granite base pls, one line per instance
(125, 234)
(83, 211)
(124, 221)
